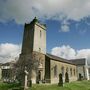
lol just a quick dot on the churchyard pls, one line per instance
(78, 85)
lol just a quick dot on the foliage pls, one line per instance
(31, 63)
(6, 86)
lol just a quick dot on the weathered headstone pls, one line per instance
(30, 83)
(80, 77)
(66, 77)
(60, 80)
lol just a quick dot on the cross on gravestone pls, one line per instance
(26, 81)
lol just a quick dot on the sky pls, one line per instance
(67, 21)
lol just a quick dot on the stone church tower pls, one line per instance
(34, 38)
(33, 50)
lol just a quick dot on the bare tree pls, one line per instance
(32, 64)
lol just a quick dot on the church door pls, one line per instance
(39, 75)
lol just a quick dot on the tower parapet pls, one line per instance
(36, 21)
(34, 38)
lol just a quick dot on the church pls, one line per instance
(42, 66)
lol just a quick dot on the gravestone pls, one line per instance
(60, 80)
(30, 83)
(80, 77)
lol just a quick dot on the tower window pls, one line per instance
(39, 49)
(55, 71)
(40, 33)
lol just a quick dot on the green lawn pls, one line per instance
(5, 86)
(78, 85)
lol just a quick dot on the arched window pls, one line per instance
(62, 70)
(40, 33)
(74, 72)
(70, 71)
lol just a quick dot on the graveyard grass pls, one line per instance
(78, 85)
(5, 86)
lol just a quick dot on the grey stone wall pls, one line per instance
(50, 75)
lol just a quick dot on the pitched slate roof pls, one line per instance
(56, 58)
(81, 61)
(8, 63)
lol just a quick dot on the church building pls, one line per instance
(42, 66)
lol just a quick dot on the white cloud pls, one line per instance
(64, 28)
(84, 53)
(9, 52)
(24, 10)
(64, 51)
(70, 53)
(82, 31)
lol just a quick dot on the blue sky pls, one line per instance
(11, 32)
(68, 26)
(77, 36)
